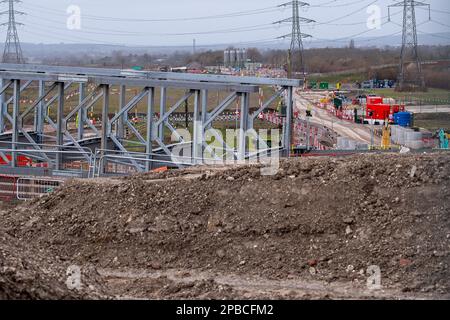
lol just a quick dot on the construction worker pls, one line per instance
(309, 111)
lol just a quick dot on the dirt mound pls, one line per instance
(27, 273)
(319, 219)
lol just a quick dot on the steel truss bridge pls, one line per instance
(36, 124)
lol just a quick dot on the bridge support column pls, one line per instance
(60, 126)
(15, 124)
(197, 141)
(245, 102)
(162, 111)
(39, 112)
(150, 112)
(122, 119)
(105, 126)
(82, 112)
(2, 109)
(204, 116)
(288, 123)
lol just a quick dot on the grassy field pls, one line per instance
(433, 121)
(432, 96)
(334, 78)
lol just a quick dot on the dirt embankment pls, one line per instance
(317, 220)
(30, 272)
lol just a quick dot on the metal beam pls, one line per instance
(59, 125)
(130, 105)
(22, 89)
(288, 123)
(2, 109)
(150, 111)
(150, 75)
(15, 124)
(37, 102)
(182, 84)
(197, 139)
(122, 102)
(162, 111)
(82, 112)
(105, 123)
(219, 109)
(174, 107)
(245, 103)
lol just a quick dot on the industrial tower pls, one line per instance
(410, 76)
(297, 59)
(12, 52)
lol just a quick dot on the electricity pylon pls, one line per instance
(410, 76)
(12, 52)
(297, 61)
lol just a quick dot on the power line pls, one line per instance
(145, 34)
(434, 10)
(12, 52)
(347, 15)
(210, 17)
(335, 6)
(296, 55)
(410, 78)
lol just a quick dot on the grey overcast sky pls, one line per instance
(134, 22)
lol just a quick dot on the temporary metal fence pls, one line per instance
(7, 187)
(30, 188)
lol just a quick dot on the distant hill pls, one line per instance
(38, 51)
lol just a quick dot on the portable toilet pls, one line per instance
(324, 85)
(403, 119)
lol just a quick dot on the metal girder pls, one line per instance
(59, 124)
(220, 108)
(164, 117)
(5, 87)
(149, 75)
(150, 112)
(15, 123)
(197, 86)
(130, 105)
(82, 105)
(37, 102)
(22, 88)
(267, 103)
(184, 84)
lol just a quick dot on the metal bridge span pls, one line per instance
(36, 124)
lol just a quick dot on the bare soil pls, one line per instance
(309, 232)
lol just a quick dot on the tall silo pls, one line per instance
(239, 57)
(233, 58)
(244, 57)
(226, 58)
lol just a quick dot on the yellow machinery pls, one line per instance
(386, 138)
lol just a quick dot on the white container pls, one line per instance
(413, 136)
(418, 144)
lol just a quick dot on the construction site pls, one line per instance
(230, 181)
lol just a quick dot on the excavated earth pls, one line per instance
(313, 230)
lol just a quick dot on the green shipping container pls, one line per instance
(324, 85)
